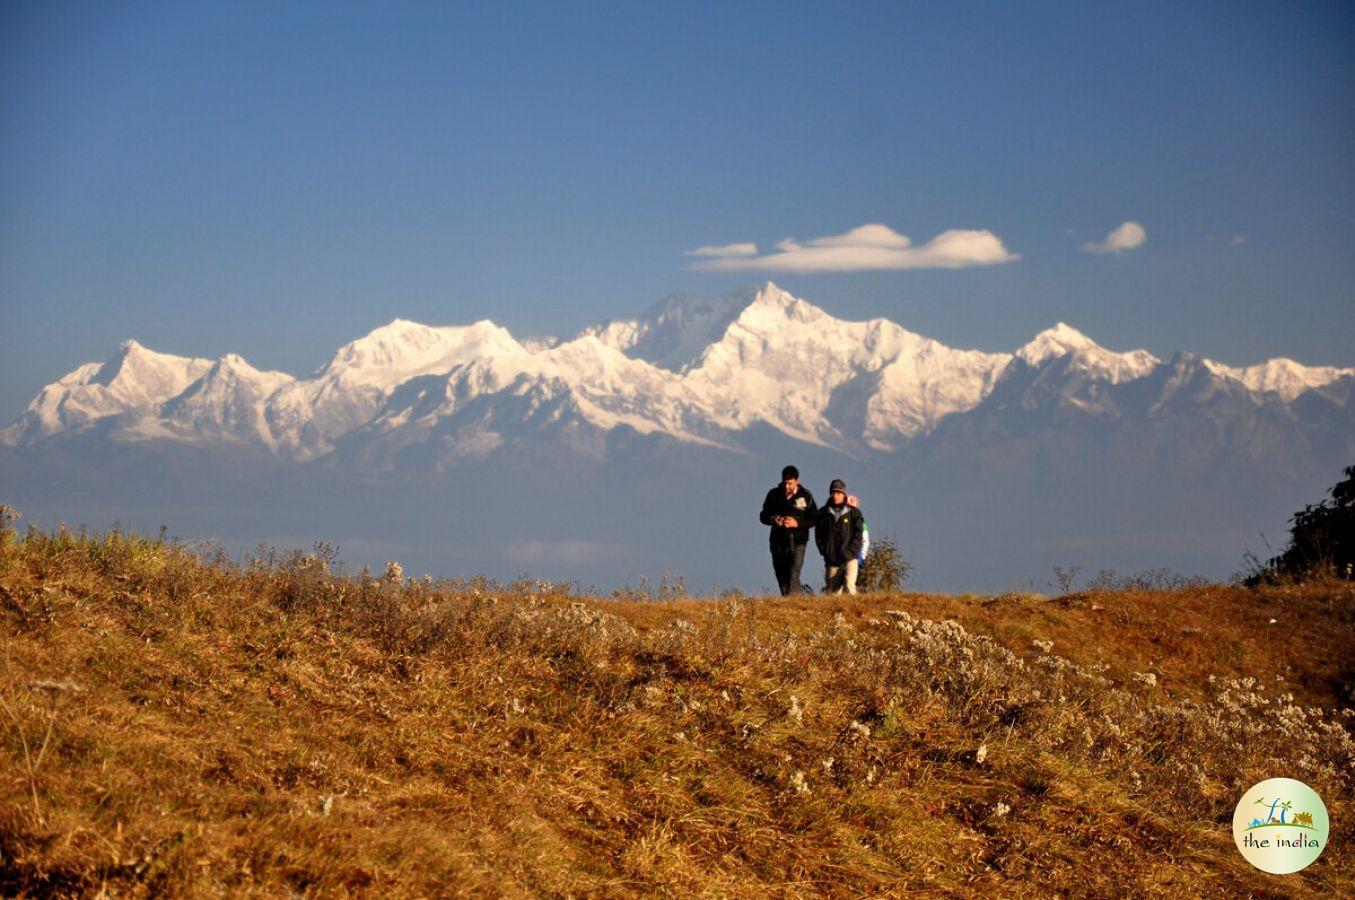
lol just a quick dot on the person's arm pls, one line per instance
(766, 516)
(854, 548)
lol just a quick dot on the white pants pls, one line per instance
(836, 578)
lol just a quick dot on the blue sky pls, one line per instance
(276, 179)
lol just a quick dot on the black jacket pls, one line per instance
(839, 537)
(801, 505)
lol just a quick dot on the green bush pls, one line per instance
(885, 569)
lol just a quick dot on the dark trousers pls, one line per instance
(786, 562)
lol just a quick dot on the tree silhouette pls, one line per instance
(1321, 540)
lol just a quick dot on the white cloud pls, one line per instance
(1122, 239)
(864, 236)
(868, 247)
(1237, 240)
(725, 251)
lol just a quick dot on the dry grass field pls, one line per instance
(176, 725)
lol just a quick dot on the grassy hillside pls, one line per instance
(170, 724)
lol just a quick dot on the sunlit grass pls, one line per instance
(275, 727)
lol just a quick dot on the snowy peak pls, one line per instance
(306, 416)
(572, 392)
(134, 380)
(232, 373)
(403, 349)
(789, 364)
(1063, 340)
(773, 308)
(1060, 340)
(140, 377)
(1280, 376)
(227, 404)
(673, 333)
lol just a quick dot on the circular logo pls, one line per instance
(1280, 826)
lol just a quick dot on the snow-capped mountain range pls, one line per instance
(645, 445)
(698, 370)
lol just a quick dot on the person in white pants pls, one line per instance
(839, 535)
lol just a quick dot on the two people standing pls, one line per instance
(790, 510)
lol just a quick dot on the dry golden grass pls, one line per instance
(275, 729)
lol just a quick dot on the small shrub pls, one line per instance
(885, 569)
(1066, 577)
(1161, 579)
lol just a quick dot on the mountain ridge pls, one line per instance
(642, 446)
(691, 368)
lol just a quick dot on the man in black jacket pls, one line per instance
(791, 511)
(838, 535)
